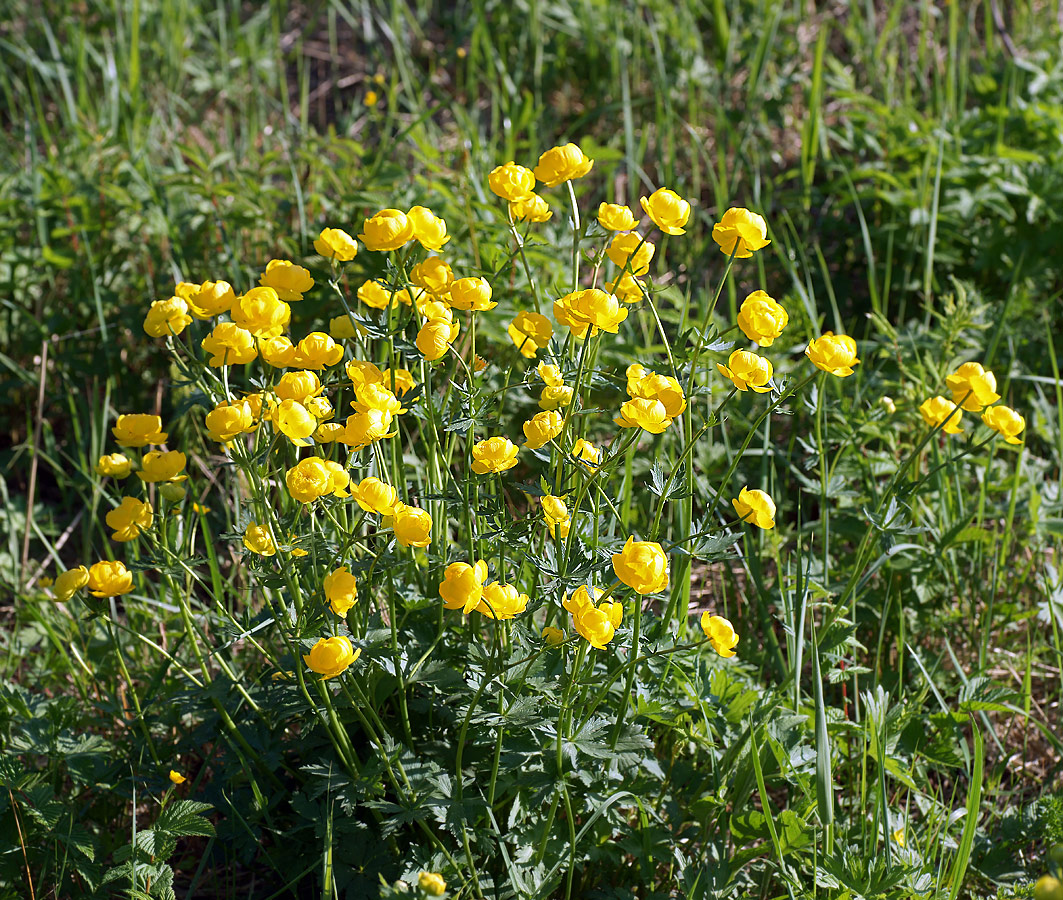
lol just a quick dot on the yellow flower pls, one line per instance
(1005, 421)
(138, 430)
(294, 420)
(631, 253)
(261, 312)
(258, 540)
(433, 309)
(341, 590)
(117, 465)
(627, 288)
(277, 351)
(834, 353)
(433, 275)
(435, 338)
(560, 164)
(651, 386)
(532, 208)
(69, 583)
(755, 507)
(129, 519)
(973, 387)
(373, 495)
(413, 526)
(646, 414)
(597, 624)
(372, 98)
(501, 601)
(287, 279)
(166, 317)
(898, 836)
(740, 232)
(939, 411)
(176, 777)
(227, 420)
(428, 228)
(432, 883)
(494, 455)
(511, 182)
(761, 319)
(332, 656)
(542, 428)
(550, 374)
(642, 566)
(334, 243)
(373, 294)
(211, 298)
(580, 598)
(300, 385)
(586, 453)
(556, 516)
(471, 294)
(748, 371)
(668, 210)
(554, 397)
(343, 328)
(598, 309)
(229, 345)
(615, 217)
(398, 381)
(361, 372)
(530, 332)
(462, 585)
(553, 636)
(367, 427)
(160, 465)
(329, 432)
(720, 634)
(109, 579)
(316, 351)
(376, 396)
(309, 479)
(389, 229)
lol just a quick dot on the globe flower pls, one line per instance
(374, 496)
(138, 430)
(532, 208)
(462, 585)
(332, 656)
(389, 229)
(309, 479)
(761, 319)
(631, 253)
(341, 590)
(433, 275)
(333, 243)
(162, 465)
(553, 636)
(586, 453)
(939, 412)
(294, 420)
(343, 328)
(376, 396)
(229, 345)
(555, 396)
(720, 634)
(511, 181)
(361, 372)
(530, 332)
(117, 465)
(580, 598)
(300, 385)
(186, 290)
(329, 432)
(259, 540)
(834, 353)
(556, 516)
(1006, 422)
(287, 279)
(435, 338)
(109, 579)
(366, 428)
(597, 624)
(432, 883)
(649, 415)
(567, 315)
(615, 217)
(501, 601)
(559, 164)
(651, 386)
(626, 288)
(740, 232)
(167, 317)
(550, 374)
(398, 381)
(494, 455)
(316, 351)
(471, 294)
(211, 298)
(642, 566)
(413, 526)
(428, 229)
(374, 295)
(433, 309)
(973, 387)
(261, 312)
(227, 420)
(598, 309)
(277, 351)
(339, 479)
(755, 507)
(542, 428)
(748, 371)
(667, 209)
(69, 583)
